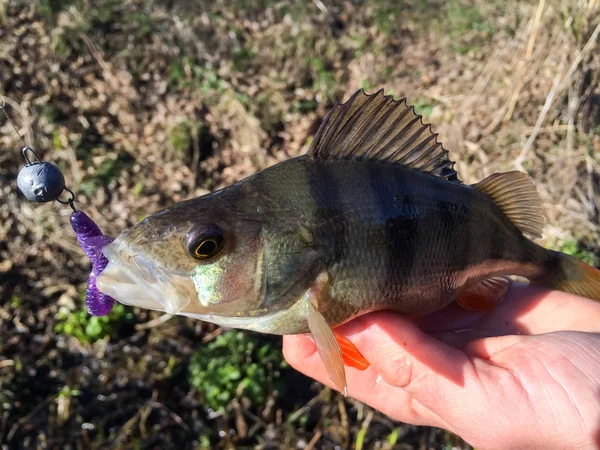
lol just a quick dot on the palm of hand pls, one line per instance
(510, 378)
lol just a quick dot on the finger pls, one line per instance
(444, 380)
(526, 310)
(367, 386)
(489, 347)
(542, 310)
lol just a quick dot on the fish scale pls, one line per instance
(372, 217)
(382, 263)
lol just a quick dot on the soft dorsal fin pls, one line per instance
(515, 194)
(375, 127)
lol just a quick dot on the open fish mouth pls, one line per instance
(133, 280)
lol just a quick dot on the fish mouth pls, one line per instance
(132, 279)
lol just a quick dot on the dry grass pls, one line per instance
(143, 105)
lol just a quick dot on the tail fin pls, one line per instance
(575, 277)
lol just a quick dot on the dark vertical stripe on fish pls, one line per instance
(495, 238)
(381, 195)
(403, 234)
(467, 232)
(462, 229)
(324, 189)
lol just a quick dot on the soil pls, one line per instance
(146, 103)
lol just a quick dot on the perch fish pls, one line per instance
(373, 217)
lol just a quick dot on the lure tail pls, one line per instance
(92, 241)
(571, 275)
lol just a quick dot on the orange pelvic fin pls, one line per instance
(484, 296)
(350, 354)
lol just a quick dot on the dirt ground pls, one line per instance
(146, 103)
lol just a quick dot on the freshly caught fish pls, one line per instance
(373, 217)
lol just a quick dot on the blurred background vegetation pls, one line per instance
(144, 103)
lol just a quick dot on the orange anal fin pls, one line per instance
(350, 354)
(484, 296)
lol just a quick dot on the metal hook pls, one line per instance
(27, 148)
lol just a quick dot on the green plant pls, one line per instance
(324, 76)
(461, 19)
(51, 7)
(87, 328)
(182, 135)
(138, 189)
(67, 392)
(204, 442)
(186, 72)
(242, 58)
(423, 107)
(107, 170)
(15, 301)
(56, 140)
(368, 85)
(574, 248)
(304, 106)
(235, 364)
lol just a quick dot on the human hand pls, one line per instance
(526, 375)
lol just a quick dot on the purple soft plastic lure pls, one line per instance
(92, 241)
(43, 182)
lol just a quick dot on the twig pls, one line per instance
(314, 440)
(195, 156)
(154, 322)
(25, 117)
(582, 54)
(255, 418)
(344, 421)
(538, 124)
(557, 86)
(360, 437)
(6, 363)
(319, 4)
(318, 433)
(210, 336)
(590, 7)
(296, 414)
(536, 25)
(126, 428)
(240, 422)
(26, 418)
(176, 418)
(591, 205)
(106, 69)
(146, 411)
(528, 52)
(64, 138)
(498, 118)
(571, 108)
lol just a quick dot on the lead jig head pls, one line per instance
(40, 181)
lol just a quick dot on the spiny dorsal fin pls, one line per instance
(515, 194)
(375, 127)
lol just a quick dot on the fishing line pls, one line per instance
(43, 182)
(2, 105)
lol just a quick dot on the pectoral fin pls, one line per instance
(483, 296)
(335, 350)
(328, 347)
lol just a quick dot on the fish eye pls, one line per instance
(204, 243)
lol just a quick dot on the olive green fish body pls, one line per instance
(373, 217)
(391, 237)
